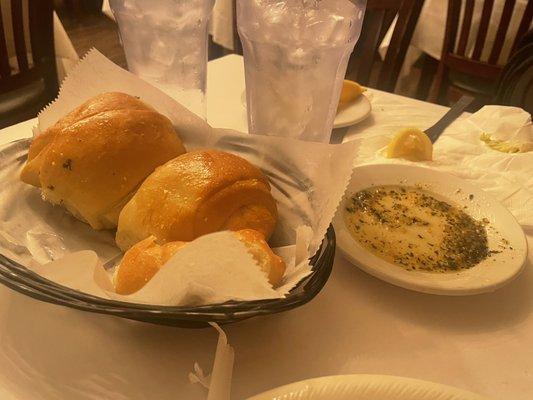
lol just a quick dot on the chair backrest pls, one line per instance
(455, 55)
(515, 87)
(379, 16)
(34, 56)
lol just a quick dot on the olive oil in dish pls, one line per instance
(409, 227)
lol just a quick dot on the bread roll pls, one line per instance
(271, 264)
(198, 193)
(142, 261)
(92, 160)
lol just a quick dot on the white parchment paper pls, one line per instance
(308, 180)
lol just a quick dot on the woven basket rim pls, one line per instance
(21, 279)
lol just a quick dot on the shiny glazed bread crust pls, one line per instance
(140, 264)
(93, 159)
(197, 193)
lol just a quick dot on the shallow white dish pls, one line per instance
(487, 276)
(357, 111)
(366, 387)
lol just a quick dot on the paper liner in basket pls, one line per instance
(308, 180)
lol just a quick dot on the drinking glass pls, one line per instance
(165, 42)
(295, 57)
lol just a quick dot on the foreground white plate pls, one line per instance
(488, 275)
(357, 111)
(366, 387)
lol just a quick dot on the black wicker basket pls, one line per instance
(19, 278)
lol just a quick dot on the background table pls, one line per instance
(429, 33)
(428, 36)
(357, 324)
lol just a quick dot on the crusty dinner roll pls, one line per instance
(197, 193)
(142, 261)
(271, 264)
(92, 160)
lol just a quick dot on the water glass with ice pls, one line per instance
(295, 57)
(165, 42)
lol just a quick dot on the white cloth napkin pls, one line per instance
(508, 124)
(508, 177)
(221, 24)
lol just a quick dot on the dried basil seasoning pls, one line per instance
(411, 228)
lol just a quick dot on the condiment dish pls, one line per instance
(503, 265)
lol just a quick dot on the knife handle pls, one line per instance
(455, 112)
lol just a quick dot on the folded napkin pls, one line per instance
(508, 125)
(461, 152)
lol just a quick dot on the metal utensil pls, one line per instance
(455, 112)
(337, 135)
(113, 261)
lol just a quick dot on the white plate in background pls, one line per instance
(487, 276)
(356, 112)
(365, 387)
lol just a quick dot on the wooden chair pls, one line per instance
(379, 16)
(471, 74)
(28, 81)
(515, 87)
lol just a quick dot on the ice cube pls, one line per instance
(161, 51)
(299, 58)
(311, 21)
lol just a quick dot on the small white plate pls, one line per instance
(366, 387)
(357, 111)
(487, 276)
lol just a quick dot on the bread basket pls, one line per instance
(22, 280)
(311, 177)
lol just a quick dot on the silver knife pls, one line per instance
(455, 112)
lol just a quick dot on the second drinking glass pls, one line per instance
(295, 57)
(165, 42)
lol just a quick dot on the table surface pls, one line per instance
(357, 324)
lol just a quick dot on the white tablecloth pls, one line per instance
(357, 324)
(106, 9)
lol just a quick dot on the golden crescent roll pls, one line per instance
(143, 260)
(198, 193)
(92, 160)
(272, 265)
